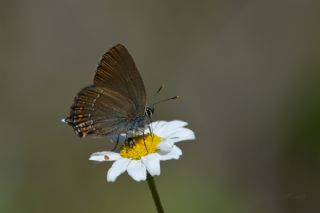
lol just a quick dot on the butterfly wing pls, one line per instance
(100, 111)
(118, 72)
(114, 101)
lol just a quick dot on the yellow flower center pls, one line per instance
(142, 146)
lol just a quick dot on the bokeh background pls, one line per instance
(248, 74)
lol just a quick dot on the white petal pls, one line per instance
(137, 170)
(165, 147)
(105, 156)
(181, 134)
(168, 128)
(117, 169)
(174, 154)
(176, 124)
(152, 162)
(156, 125)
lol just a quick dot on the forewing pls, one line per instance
(118, 72)
(98, 111)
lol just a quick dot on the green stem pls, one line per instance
(155, 194)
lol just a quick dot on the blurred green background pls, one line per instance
(248, 74)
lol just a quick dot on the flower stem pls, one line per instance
(155, 193)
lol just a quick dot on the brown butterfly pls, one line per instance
(115, 103)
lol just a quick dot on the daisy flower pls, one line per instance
(145, 154)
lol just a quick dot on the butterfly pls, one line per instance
(115, 103)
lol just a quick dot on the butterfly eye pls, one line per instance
(152, 110)
(149, 111)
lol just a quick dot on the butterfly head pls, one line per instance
(149, 111)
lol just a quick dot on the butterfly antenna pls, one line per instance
(165, 100)
(160, 88)
(158, 91)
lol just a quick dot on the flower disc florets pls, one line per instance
(144, 154)
(142, 145)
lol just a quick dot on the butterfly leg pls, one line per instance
(144, 141)
(117, 143)
(129, 141)
(149, 126)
